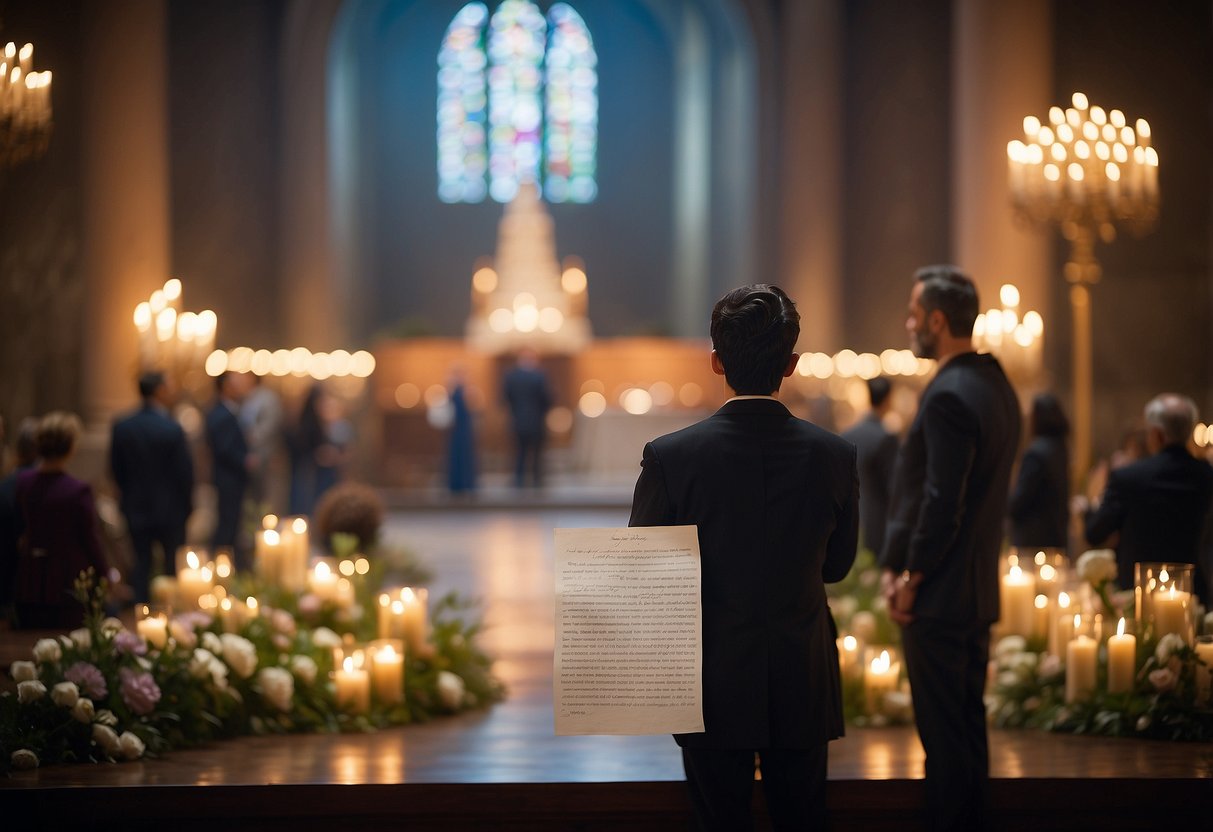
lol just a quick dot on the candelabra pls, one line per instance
(25, 106)
(1089, 172)
(1015, 341)
(174, 342)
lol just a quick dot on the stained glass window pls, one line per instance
(517, 102)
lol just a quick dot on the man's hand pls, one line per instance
(899, 591)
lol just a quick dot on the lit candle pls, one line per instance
(1040, 618)
(1063, 627)
(353, 687)
(1171, 612)
(1204, 673)
(849, 662)
(164, 590)
(1080, 666)
(223, 567)
(193, 582)
(295, 548)
(323, 582)
(415, 619)
(152, 626)
(344, 594)
(1017, 595)
(385, 615)
(268, 555)
(880, 677)
(388, 671)
(1122, 660)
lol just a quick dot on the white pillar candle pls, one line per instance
(1204, 674)
(385, 615)
(323, 582)
(268, 556)
(193, 582)
(880, 677)
(849, 652)
(353, 687)
(152, 626)
(1018, 593)
(1080, 667)
(415, 617)
(1062, 629)
(1122, 660)
(295, 549)
(388, 675)
(1171, 612)
(1040, 617)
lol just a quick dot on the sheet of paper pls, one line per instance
(628, 648)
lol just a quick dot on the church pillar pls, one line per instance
(810, 163)
(1002, 71)
(125, 191)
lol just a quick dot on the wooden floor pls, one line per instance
(503, 768)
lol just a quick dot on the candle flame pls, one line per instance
(1016, 573)
(385, 600)
(206, 574)
(323, 571)
(881, 664)
(299, 526)
(226, 605)
(251, 603)
(850, 643)
(1120, 628)
(1077, 621)
(398, 608)
(348, 664)
(1041, 602)
(1063, 600)
(346, 567)
(269, 521)
(388, 654)
(1047, 572)
(191, 560)
(407, 594)
(1164, 576)
(1172, 592)
(272, 537)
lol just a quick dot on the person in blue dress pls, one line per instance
(461, 441)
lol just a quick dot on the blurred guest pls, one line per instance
(59, 535)
(525, 391)
(877, 450)
(319, 448)
(1159, 505)
(151, 465)
(26, 457)
(1039, 507)
(230, 463)
(461, 442)
(261, 418)
(334, 451)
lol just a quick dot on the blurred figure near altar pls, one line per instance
(1158, 507)
(261, 417)
(1039, 507)
(461, 441)
(320, 446)
(59, 535)
(26, 457)
(151, 465)
(526, 393)
(877, 454)
(231, 463)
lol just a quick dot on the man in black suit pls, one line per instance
(775, 500)
(877, 449)
(525, 390)
(1160, 504)
(231, 462)
(941, 547)
(151, 465)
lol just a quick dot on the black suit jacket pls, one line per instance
(229, 450)
(877, 450)
(1159, 505)
(1039, 507)
(776, 503)
(526, 392)
(950, 490)
(151, 465)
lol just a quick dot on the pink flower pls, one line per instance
(139, 691)
(127, 642)
(88, 678)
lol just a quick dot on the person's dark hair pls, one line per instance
(878, 390)
(149, 383)
(953, 293)
(57, 435)
(754, 331)
(1048, 419)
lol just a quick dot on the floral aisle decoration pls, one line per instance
(105, 693)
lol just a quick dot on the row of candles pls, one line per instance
(170, 339)
(25, 95)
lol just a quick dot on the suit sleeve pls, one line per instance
(228, 444)
(117, 468)
(183, 469)
(951, 447)
(1027, 486)
(1107, 519)
(651, 503)
(844, 540)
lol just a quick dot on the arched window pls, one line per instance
(521, 106)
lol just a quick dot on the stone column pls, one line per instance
(811, 162)
(125, 191)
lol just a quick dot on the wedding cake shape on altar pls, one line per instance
(526, 300)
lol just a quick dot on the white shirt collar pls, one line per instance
(746, 398)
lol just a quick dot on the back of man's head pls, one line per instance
(953, 293)
(754, 331)
(878, 391)
(1172, 417)
(149, 383)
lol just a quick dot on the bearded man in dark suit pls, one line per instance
(775, 500)
(151, 465)
(945, 531)
(1159, 505)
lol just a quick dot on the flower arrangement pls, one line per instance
(1098, 568)
(103, 693)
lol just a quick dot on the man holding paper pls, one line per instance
(775, 500)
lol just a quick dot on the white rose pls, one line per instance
(30, 691)
(106, 717)
(1167, 645)
(23, 759)
(106, 739)
(200, 663)
(24, 671)
(47, 650)
(65, 694)
(130, 745)
(218, 673)
(1097, 566)
(450, 689)
(211, 643)
(283, 622)
(304, 668)
(326, 638)
(183, 634)
(1008, 679)
(277, 686)
(239, 654)
(82, 638)
(82, 711)
(1010, 646)
(111, 626)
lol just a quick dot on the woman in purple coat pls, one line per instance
(58, 533)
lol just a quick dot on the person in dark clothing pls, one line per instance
(1039, 506)
(877, 449)
(151, 465)
(231, 463)
(525, 390)
(461, 442)
(27, 456)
